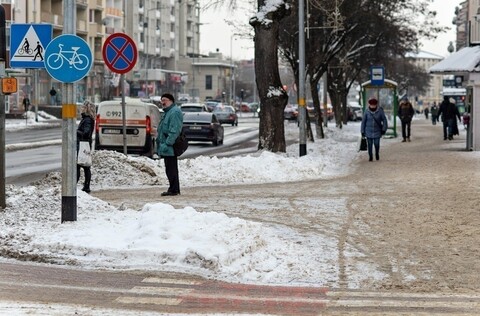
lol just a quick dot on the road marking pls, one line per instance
(337, 299)
(160, 290)
(169, 281)
(403, 303)
(148, 300)
(334, 293)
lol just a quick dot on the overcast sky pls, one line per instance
(216, 32)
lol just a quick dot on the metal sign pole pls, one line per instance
(3, 56)
(124, 123)
(69, 134)
(302, 110)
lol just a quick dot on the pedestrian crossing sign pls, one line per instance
(28, 43)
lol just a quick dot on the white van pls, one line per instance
(141, 121)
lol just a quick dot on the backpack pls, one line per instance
(181, 144)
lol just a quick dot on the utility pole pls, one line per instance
(3, 56)
(301, 79)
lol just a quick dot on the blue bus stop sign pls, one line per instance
(68, 58)
(377, 75)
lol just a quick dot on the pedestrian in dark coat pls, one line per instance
(405, 113)
(449, 113)
(374, 125)
(168, 131)
(434, 112)
(84, 133)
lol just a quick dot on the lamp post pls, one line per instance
(146, 34)
(232, 72)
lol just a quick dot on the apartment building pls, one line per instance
(164, 31)
(425, 60)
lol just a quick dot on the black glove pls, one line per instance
(383, 132)
(363, 135)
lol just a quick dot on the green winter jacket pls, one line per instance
(168, 130)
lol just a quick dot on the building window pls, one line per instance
(208, 82)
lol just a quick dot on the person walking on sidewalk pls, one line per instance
(84, 133)
(434, 113)
(168, 130)
(406, 112)
(374, 125)
(53, 94)
(449, 113)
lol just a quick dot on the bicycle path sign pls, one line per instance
(119, 53)
(27, 44)
(68, 58)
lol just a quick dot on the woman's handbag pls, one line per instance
(363, 144)
(84, 157)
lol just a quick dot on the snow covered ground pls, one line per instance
(160, 237)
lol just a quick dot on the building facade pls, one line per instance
(425, 60)
(165, 32)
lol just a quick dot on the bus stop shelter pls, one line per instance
(387, 97)
(466, 63)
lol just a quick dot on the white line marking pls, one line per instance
(159, 290)
(169, 281)
(148, 300)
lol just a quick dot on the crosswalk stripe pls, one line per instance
(148, 300)
(169, 281)
(159, 290)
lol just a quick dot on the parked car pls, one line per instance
(226, 114)
(291, 112)
(193, 107)
(254, 107)
(244, 107)
(203, 126)
(328, 114)
(355, 113)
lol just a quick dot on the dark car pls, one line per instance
(203, 127)
(226, 114)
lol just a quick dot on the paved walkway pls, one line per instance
(414, 214)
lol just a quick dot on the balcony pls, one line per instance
(82, 26)
(82, 3)
(97, 4)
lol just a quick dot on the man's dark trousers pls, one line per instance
(171, 170)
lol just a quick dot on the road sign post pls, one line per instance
(68, 59)
(120, 55)
(3, 53)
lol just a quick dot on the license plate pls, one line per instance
(111, 131)
(195, 127)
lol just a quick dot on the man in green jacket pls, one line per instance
(168, 131)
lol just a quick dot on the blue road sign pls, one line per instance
(27, 45)
(68, 58)
(377, 75)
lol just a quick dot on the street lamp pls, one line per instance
(232, 72)
(146, 35)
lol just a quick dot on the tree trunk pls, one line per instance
(316, 105)
(273, 98)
